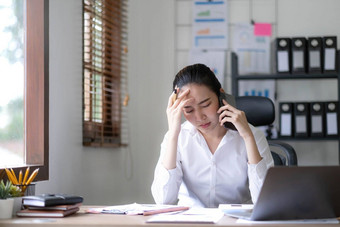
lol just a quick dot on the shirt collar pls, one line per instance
(187, 126)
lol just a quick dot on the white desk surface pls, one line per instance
(111, 220)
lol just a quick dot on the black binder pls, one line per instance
(330, 62)
(332, 119)
(315, 55)
(317, 119)
(51, 200)
(301, 119)
(299, 55)
(286, 119)
(283, 55)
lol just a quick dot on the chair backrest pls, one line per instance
(260, 111)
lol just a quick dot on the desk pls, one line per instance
(110, 220)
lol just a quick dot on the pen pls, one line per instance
(175, 96)
(14, 177)
(9, 175)
(20, 177)
(33, 175)
(30, 179)
(26, 175)
(164, 210)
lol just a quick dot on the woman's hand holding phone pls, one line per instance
(228, 113)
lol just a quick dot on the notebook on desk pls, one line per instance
(290, 193)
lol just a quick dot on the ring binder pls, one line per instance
(299, 55)
(332, 116)
(315, 55)
(283, 55)
(317, 119)
(301, 119)
(330, 54)
(286, 119)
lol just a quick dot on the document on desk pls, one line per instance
(138, 209)
(193, 215)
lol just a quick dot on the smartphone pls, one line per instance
(231, 100)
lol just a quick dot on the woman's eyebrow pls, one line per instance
(201, 102)
(205, 100)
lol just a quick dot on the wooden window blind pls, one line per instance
(104, 72)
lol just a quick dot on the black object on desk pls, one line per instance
(51, 200)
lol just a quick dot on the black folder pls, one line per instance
(317, 119)
(315, 55)
(51, 200)
(286, 119)
(330, 62)
(301, 119)
(332, 119)
(299, 55)
(283, 55)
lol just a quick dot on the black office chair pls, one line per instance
(260, 111)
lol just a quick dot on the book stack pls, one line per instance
(50, 205)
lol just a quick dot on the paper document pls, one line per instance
(193, 215)
(137, 209)
(210, 26)
(215, 60)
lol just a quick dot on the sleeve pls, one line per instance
(257, 172)
(166, 183)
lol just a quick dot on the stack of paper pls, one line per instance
(194, 215)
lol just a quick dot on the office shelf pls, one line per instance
(236, 77)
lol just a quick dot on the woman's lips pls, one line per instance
(206, 125)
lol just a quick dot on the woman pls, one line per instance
(201, 162)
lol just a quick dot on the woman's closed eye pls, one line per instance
(188, 110)
(206, 105)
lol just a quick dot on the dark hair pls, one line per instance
(199, 74)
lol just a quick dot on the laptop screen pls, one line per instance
(299, 193)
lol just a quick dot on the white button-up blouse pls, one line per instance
(206, 180)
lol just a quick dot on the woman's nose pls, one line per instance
(200, 115)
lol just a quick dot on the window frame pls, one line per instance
(36, 120)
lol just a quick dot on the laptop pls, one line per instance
(291, 193)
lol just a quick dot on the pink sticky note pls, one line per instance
(262, 29)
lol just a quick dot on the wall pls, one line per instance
(289, 18)
(115, 176)
(106, 175)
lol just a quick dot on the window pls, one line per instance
(36, 87)
(11, 83)
(104, 68)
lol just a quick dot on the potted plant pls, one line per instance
(16, 194)
(6, 202)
